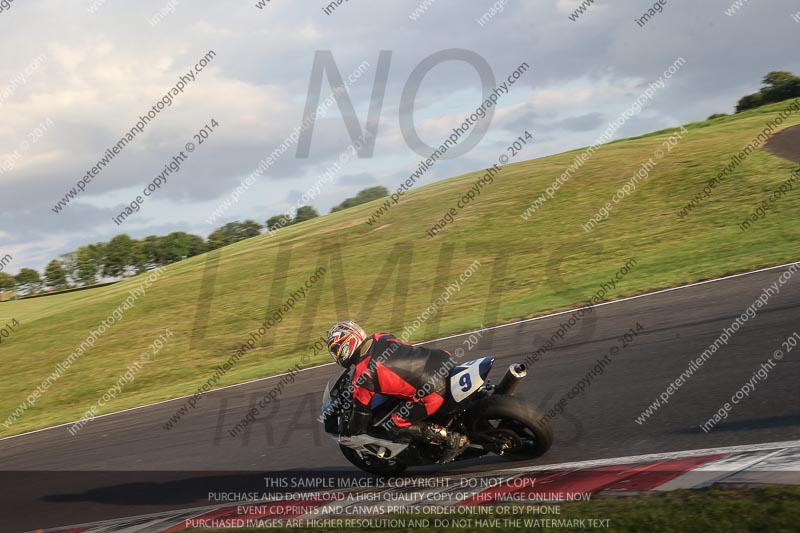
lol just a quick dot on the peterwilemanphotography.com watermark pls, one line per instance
(143, 121)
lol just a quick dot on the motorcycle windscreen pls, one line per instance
(335, 397)
(468, 378)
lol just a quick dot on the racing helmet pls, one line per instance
(344, 338)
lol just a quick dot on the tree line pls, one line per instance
(307, 212)
(124, 256)
(779, 86)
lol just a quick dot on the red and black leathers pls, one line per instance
(390, 366)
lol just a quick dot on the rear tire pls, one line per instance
(373, 465)
(505, 419)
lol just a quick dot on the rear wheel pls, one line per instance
(372, 464)
(510, 428)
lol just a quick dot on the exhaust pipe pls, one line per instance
(508, 385)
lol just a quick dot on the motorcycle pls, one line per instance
(493, 419)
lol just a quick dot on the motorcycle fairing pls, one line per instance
(371, 445)
(468, 378)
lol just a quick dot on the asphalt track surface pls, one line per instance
(786, 144)
(128, 464)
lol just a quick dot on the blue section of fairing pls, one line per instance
(484, 366)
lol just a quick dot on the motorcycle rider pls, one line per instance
(387, 365)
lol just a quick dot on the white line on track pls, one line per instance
(662, 291)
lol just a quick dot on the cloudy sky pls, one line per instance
(83, 71)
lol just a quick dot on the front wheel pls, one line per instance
(372, 464)
(510, 428)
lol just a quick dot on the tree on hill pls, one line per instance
(363, 196)
(179, 245)
(97, 253)
(119, 255)
(216, 239)
(28, 280)
(151, 251)
(7, 282)
(780, 85)
(69, 263)
(247, 229)
(304, 213)
(277, 222)
(233, 232)
(196, 245)
(140, 258)
(87, 266)
(55, 276)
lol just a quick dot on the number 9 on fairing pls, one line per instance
(466, 382)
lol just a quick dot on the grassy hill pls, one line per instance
(529, 267)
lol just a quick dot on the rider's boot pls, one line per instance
(455, 445)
